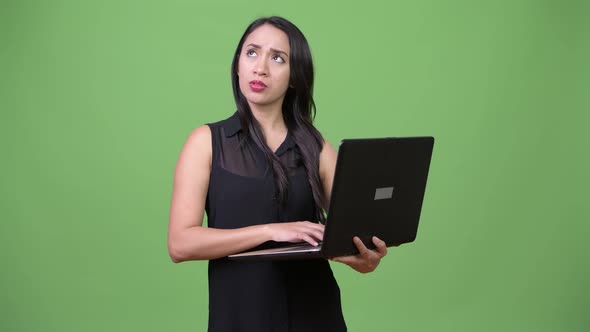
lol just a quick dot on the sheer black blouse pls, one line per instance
(264, 296)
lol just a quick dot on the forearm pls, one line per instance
(203, 243)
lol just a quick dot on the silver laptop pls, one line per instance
(378, 190)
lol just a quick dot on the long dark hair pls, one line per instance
(298, 112)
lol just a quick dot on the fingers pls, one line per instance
(297, 231)
(313, 230)
(363, 251)
(381, 246)
(313, 225)
(309, 239)
(367, 260)
(310, 236)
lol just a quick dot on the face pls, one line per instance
(263, 66)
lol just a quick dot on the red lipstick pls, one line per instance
(257, 86)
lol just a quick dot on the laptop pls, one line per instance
(378, 190)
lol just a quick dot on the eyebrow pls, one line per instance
(272, 49)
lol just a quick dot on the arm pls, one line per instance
(187, 239)
(367, 260)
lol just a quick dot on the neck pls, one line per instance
(269, 117)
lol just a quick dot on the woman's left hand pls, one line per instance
(366, 260)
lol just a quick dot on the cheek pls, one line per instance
(285, 76)
(244, 65)
(240, 68)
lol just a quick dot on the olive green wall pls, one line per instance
(97, 98)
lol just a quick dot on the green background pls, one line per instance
(97, 99)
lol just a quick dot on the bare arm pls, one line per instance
(187, 239)
(328, 158)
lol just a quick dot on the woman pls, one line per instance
(263, 175)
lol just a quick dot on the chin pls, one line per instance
(256, 101)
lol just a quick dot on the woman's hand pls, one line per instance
(297, 231)
(366, 260)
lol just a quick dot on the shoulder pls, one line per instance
(201, 134)
(229, 125)
(220, 123)
(198, 145)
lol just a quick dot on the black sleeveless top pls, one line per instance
(264, 296)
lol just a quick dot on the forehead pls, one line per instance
(267, 36)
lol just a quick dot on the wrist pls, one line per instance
(266, 231)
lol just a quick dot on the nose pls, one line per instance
(261, 67)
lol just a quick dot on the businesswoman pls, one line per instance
(263, 175)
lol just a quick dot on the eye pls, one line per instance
(251, 52)
(278, 59)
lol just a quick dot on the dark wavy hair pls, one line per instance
(298, 112)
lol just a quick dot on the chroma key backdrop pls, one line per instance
(98, 97)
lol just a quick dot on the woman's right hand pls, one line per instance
(296, 231)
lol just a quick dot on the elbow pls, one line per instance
(179, 256)
(175, 258)
(181, 250)
(175, 253)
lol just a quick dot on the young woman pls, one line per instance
(263, 175)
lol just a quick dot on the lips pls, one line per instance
(257, 86)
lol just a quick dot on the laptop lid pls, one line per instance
(378, 190)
